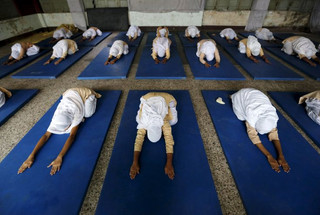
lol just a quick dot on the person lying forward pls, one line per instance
(118, 48)
(76, 105)
(157, 113)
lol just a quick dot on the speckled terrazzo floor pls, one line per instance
(50, 90)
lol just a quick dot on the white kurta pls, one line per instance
(132, 30)
(71, 111)
(192, 30)
(313, 109)
(228, 32)
(59, 33)
(264, 34)
(208, 48)
(62, 47)
(91, 33)
(161, 45)
(254, 45)
(253, 106)
(153, 112)
(2, 98)
(118, 48)
(304, 46)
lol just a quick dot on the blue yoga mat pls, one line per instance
(122, 36)
(283, 36)
(97, 70)
(262, 190)
(264, 43)
(293, 60)
(94, 42)
(192, 190)
(37, 192)
(7, 69)
(152, 36)
(186, 42)
(147, 68)
(226, 71)
(18, 100)
(51, 71)
(222, 41)
(45, 43)
(262, 70)
(288, 101)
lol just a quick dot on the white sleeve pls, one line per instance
(90, 106)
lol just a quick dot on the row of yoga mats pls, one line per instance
(173, 69)
(36, 71)
(192, 191)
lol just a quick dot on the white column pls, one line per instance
(258, 12)
(78, 14)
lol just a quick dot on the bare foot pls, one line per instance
(273, 163)
(282, 162)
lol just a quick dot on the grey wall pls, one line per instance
(8, 10)
(54, 6)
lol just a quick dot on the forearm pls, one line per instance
(263, 149)
(216, 55)
(277, 145)
(66, 146)
(169, 158)
(40, 143)
(136, 156)
(168, 53)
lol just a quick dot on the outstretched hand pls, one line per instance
(217, 65)
(134, 170)
(267, 61)
(56, 165)
(27, 164)
(273, 163)
(207, 65)
(164, 60)
(169, 170)
(282, 162)
(156, 60)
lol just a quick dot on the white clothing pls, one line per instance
(161, 45)
(2, 98)
(174, 113)
(132, 30)
(313, 109)
(162, 32)
(153, 111)
(264, 34)
(71, 111)
(62, 47)
(242, 48)
(253, 106)
(33, 50)
(228, 32)
(61, 32)
(91, 33)
(118, 48)
(15, 50)
(192, 30)
(254, 45)
(304, 46)
(208, 48)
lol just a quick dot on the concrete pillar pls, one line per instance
(258, 12)
(78, 14)
(315, 17)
